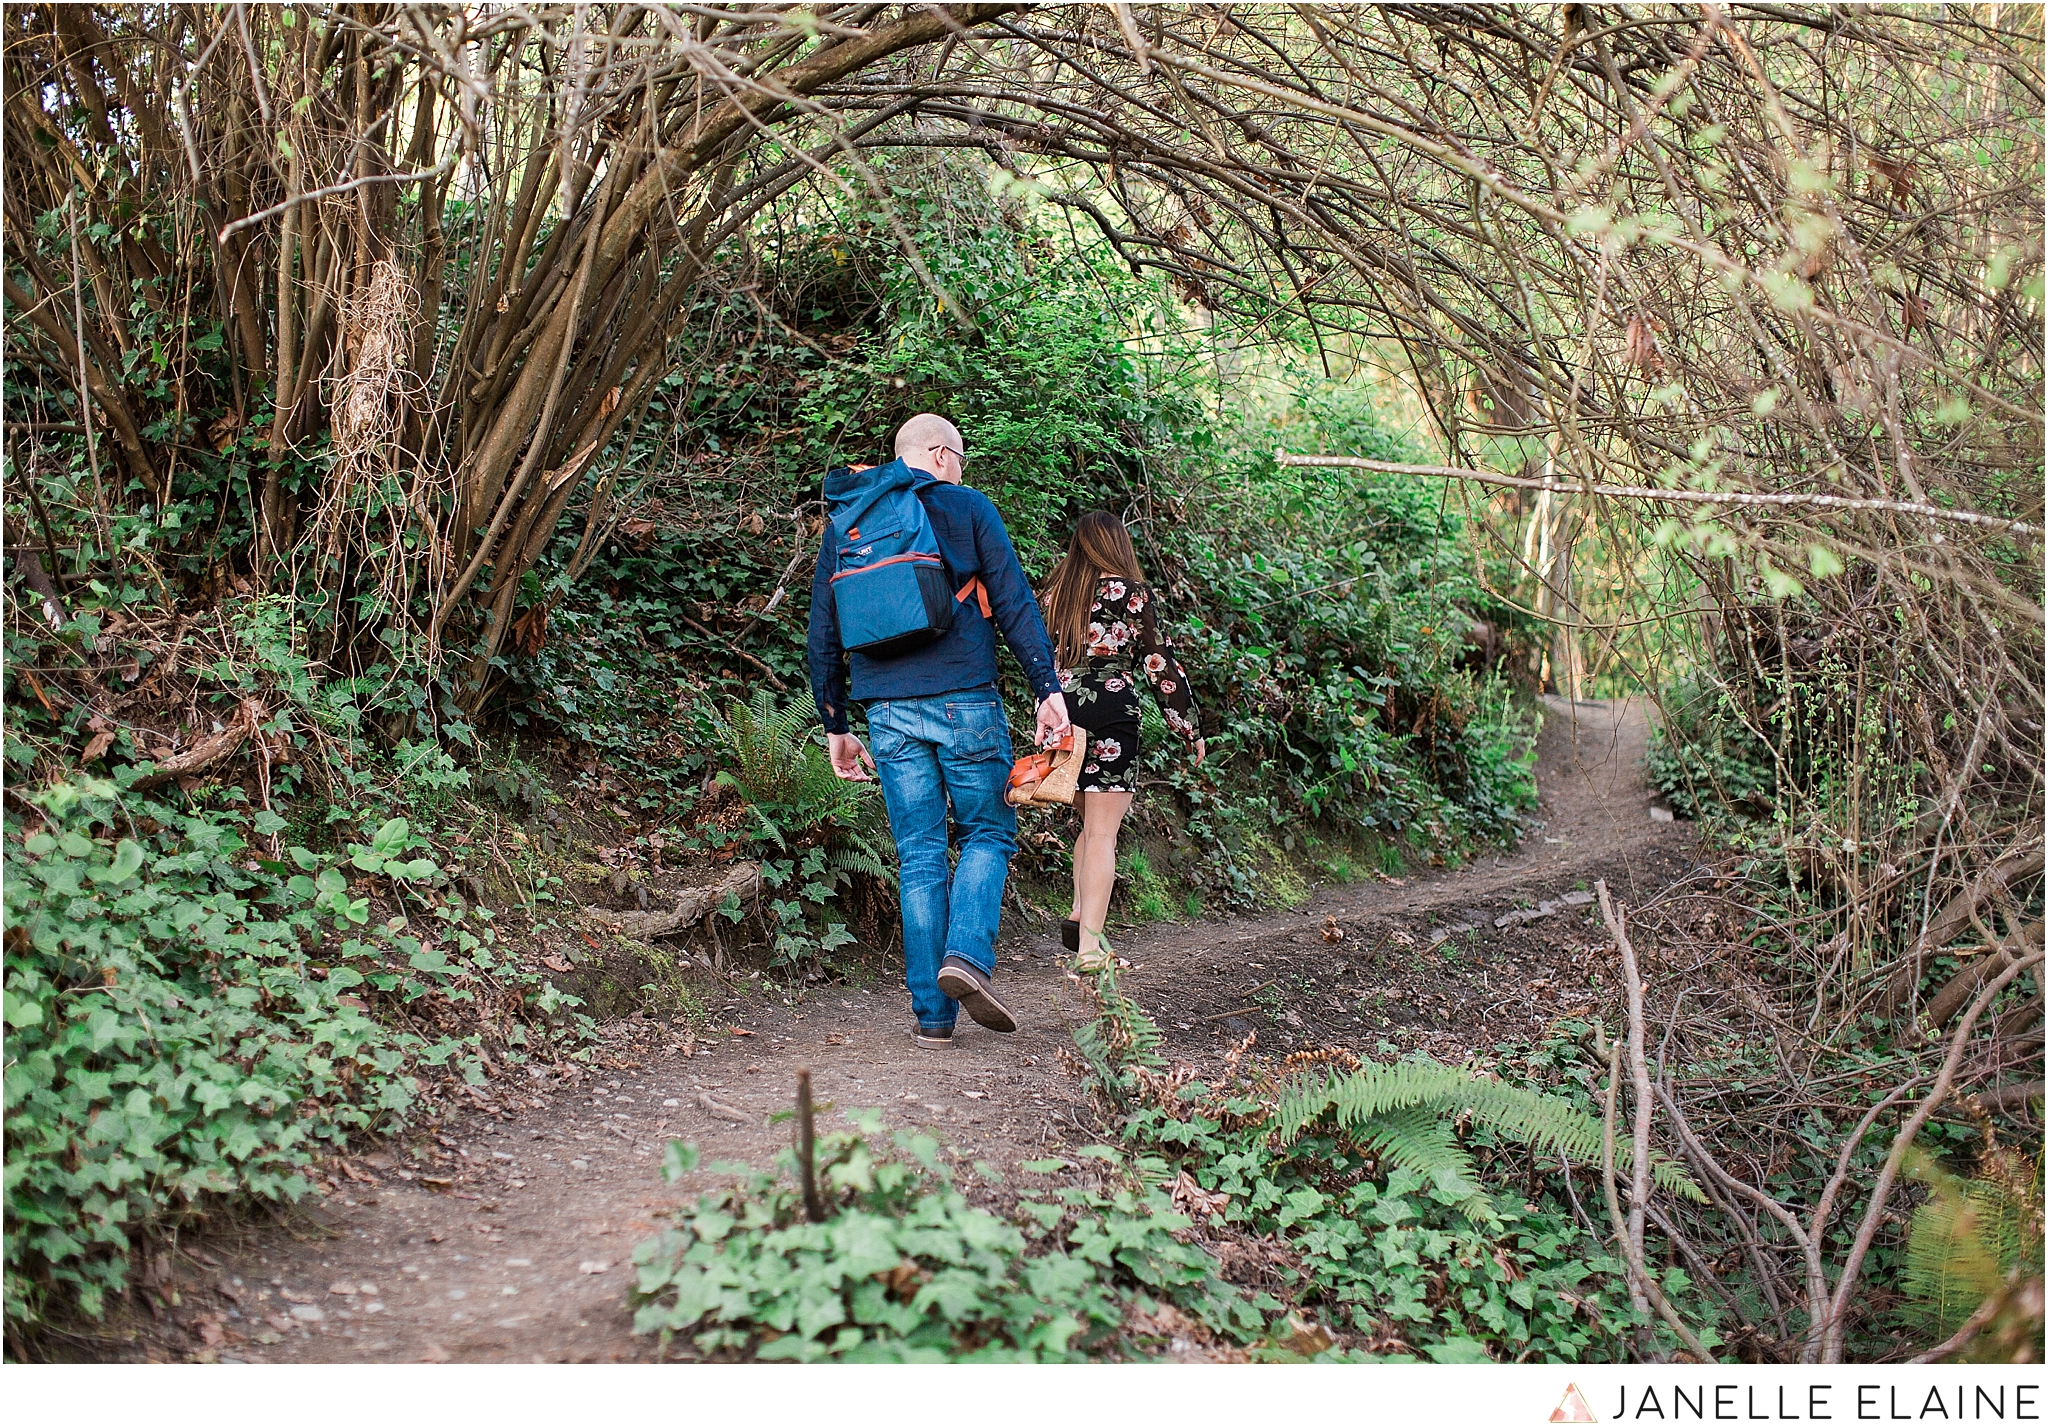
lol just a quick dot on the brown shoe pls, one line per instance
(968, 985)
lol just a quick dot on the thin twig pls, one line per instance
(1657, 493)
(1631, 1233)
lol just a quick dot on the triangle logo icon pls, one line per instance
(1572, 1408)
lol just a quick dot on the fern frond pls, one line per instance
(1302, 1101)
(1374, 1091)
(1950, 1269)
(768, 827)
(1119, 1040)
(1094, 1049)
(772, 759)
(1421, 1141)
(1970, 1236)
(857, 860)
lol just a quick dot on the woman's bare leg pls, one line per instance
(1102, 815)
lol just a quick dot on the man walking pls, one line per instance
(937, 724)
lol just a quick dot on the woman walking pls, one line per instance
(1105, 625)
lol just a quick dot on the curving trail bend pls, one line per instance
(506, 1235)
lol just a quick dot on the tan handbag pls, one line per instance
(1050, 775)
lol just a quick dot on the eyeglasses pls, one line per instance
(943, 447)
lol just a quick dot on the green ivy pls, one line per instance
(191, 1022)
(902, 1269)
(1361, 1180)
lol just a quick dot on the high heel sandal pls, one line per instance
(1070, 934)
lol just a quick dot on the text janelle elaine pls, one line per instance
(1825, 1402)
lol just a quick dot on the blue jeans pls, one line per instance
(949, 748)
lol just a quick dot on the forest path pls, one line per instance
(520, 1247)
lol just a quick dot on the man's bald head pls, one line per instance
(921, 441)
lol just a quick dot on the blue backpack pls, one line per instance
(890, 585)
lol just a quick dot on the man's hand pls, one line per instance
(848, 754)
(1052, 718)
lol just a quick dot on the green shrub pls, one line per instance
(1142, 888)
(1499, 760)
(816, 831)
(903, 1269)
(771, 756)
(1366, 1178)
(1704, 759)
(190, 1023)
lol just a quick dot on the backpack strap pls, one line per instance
(853, 532)
(975, 588)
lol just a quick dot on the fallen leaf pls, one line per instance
(974, 1095)
(742, 1031)
(1164, 1322)
(1305, 1336)
(556, 964)
(211, 1333)
(530, 630)
(904, 1279)
(343, 1288)
(835, 1039)
(1190, 1198)
(593, 1266)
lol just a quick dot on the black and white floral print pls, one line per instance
(1124, 643)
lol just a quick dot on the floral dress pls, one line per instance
(1102, 694)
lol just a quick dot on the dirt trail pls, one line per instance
(508, 1236)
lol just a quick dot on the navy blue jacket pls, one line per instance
(975, 546)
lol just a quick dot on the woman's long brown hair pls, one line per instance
(1100, 546)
